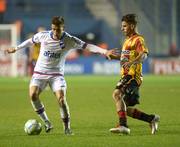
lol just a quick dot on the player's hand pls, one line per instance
(109, 53)
(10, 50)
(112, 54)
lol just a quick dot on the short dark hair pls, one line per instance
(130, 19)
(58, 20)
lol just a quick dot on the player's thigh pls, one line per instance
(116, 94)
(131, 95)
(36, 86)
(58, 84)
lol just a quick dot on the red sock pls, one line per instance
(122, 118)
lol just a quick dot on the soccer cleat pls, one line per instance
(154, 124)
(120, 129)
(68, 132)
(48, 126)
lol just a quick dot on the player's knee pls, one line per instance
(116, 95)
(61, 99)
(34, 92)
(33, 95)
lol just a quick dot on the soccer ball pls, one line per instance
(32, 127)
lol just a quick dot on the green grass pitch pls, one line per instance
(92, 113)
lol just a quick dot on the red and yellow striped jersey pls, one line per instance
(131, 48)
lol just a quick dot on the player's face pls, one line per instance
(127, 29)
(57, 31)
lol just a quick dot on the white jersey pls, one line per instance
(53, 52)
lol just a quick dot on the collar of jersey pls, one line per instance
(62, 36)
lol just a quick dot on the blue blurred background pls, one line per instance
(98, 22)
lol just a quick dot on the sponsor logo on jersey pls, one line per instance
(52, 54)
(125, 52)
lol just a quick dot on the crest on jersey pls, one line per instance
(62, 45)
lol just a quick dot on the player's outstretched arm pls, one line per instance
(24, 44)
(95, 49)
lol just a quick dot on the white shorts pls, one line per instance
(55, 82)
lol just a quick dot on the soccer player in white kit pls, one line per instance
(49, 69)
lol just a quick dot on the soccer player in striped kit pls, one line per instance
(126, 93)
(49, 69)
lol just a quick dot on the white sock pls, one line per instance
(65, 115)
(39, 109)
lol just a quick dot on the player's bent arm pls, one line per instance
(140, 58)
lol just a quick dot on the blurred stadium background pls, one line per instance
(89, 97)
(94, 21)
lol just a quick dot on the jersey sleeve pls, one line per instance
(77, 43)
(141, 46)
(36, 38)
